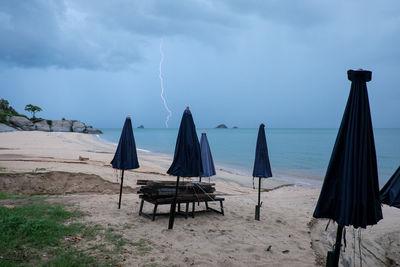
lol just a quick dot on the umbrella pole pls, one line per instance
(173, 206)
(332, 259)
(120, 190)
(257, 216)
(199, 178)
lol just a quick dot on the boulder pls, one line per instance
(91, 130)
(42, 126)
(78, 127)
(22, 122)
(221, 126)
(61, 126)
(6, 128)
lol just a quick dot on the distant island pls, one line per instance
(221, 126)
(234, 127)
(141, 127)
(11, 120)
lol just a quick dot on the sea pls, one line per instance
(296, 155)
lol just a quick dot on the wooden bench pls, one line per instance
(180, 200)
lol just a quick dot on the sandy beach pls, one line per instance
(286, 235)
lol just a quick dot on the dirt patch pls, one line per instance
(56, 183)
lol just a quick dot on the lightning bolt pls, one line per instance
(162, 86)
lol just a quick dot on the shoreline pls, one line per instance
(281, 177)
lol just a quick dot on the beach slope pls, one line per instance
(75, 169)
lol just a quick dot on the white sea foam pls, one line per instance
(116, 144)
(103, 140)
(143, 150)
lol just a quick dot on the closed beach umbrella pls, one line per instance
(350, 193)
(187, 157)
(390, 193)
(262, 167)
(125, 157)
(206, 157)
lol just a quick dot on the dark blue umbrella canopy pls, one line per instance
(206, 157)
(390, 193)
(262, 168)
(125, 157)
(350, 193)
(187, 157)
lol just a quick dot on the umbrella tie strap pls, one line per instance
(326, 228)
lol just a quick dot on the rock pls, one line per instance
(61, 126)
(91, 130)
(42, 126)
(78, 127)
(221, 126)
(234, 127)
(6, 128)
(22, 122)
(141, 127)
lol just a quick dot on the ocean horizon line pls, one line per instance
(243, 128)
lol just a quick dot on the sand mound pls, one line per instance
(375, 247)
(57, 182)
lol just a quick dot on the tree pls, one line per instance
(4, 105)
(32, 109)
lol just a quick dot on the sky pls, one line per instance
(239, 62)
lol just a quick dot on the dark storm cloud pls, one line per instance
(295, 13)
(98, 34)
(283, 62)
(113, 35)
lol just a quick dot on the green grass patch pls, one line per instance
(4, 195)
(28, 228)
(143, 246)
(33, 227)
(34, 232)
(115, 238)
(39, 169)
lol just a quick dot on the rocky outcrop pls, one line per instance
(61, 126)
(221, 126)
(6, 128)
(91, 130)
(42, 125)
(141, 127)
(22, 123)
(78, 127)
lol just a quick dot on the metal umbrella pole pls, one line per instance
(258, 206)
(332, 259)
(120, 190)
(173, 206)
